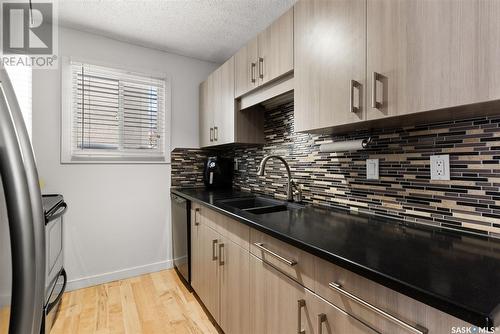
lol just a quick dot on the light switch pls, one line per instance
(440, 167)
(372, 169)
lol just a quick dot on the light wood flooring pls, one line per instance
(152, 303)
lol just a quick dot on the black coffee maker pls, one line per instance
(218, 173)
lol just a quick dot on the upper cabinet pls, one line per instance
(276, 49)
(220, 121)
(330, 57)
(266, 57)
(217, 106)
(427, 55)
(363, 60)
(245, 68)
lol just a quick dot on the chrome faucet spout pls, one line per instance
(262, 166)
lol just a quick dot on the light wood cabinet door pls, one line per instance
(245, 68)
(276, 49)
(330, 52)
(224, 116)
(329, 319)
(196, 274)
(205, 115)
(277, 304)
(432, 54)
(208, 286)
(234, 288)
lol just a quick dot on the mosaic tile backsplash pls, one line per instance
(470, 201)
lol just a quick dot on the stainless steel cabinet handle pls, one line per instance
(354, 85)
(321, 320)
(260, 245)
(300, 304)
(216, 133)
(375, 78)
(417, 330)
(214, 251)
(252, 69)
(196, 215)
(261, 67)
(211, 134)
(221, 259)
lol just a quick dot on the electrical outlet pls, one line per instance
(372, 169)
(440, 167)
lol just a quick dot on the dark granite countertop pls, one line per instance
(454, 272)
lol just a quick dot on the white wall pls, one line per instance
(118, 222)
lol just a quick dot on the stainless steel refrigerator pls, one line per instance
(22, 235)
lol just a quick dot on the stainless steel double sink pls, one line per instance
(260, 205)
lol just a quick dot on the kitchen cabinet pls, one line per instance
(276, 49)
(206, 121)
(217, 106)
(234, 287)
(365, 60)
(208, 290)
(245, 68)
(278, 290)
(224, 116)
(266, 57)
(220, 122)
(329, 319)
(330, 56)
(293, 262)
(277, 302)
(426, 55)
(220, 268)
(196, 264)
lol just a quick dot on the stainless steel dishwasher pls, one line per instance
(181, 236)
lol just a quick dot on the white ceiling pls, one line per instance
(211, 30)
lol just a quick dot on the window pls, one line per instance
(113, 115)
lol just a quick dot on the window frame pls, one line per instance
(107, 157)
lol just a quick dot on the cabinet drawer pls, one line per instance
(383, 309)
(293, 262)
(229, 228)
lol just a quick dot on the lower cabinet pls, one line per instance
(234, 288)
(219, 272)
(280, 305)
(247, 291)
(329, 319)
(208, 290)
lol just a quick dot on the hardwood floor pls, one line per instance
(152, 303)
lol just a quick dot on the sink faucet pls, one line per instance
(290, 183)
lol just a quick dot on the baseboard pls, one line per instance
(84, 282)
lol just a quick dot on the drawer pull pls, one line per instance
(221, 259)
(260, 245)
(300, 304)
(321, 320)
(214, 251)
(253, 72)
(196, 216)
(354, 85)
(375, 104)
(261, 67)
(417, 330)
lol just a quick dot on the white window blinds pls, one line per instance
(116, 114)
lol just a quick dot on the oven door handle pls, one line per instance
(54, 303)
(61, 210)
